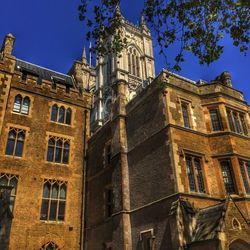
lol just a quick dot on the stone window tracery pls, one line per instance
(21, 105)
(61, 115)
(58, 150)
(15, 142)
(215, 119)
(50, 246)
(134, 62)
(10, 180)
(53, 200)
(185, 114)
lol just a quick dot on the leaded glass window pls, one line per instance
(61, 115)
(195, 175)
(227, 177)
(215, 119)
(58, 150)
(185, 115)
(21, 105)
(15, 142)
(53, 200)
(245, 173)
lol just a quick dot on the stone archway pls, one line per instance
(239, 245)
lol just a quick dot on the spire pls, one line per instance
(8, 44)
(143, 23)
(84, 57)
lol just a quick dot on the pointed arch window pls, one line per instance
(68, 116)
(21, 105)
(58, 150)
(60, 114)
(53, 200)
(50, 246)
(134, 62)
(15, 143)
(10, 180)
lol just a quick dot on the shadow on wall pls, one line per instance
(239, 245)
(6, 216)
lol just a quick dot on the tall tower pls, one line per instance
(135, 66)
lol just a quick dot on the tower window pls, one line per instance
(15, 143)
(53, 200)
(58, 150)
(60, 115)
(10, 180)
(227, 176)
(195, 176)
(185, 115)
(215, 119)
(245, 173)
(107, 154)
(21, 105)
(237, 122)
(134, 62)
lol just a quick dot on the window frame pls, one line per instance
(231, 175)
(236, 121)
(49, 199)
(197, 190)
(22, 105)
(188, 112)
(108, 202)
(145, 236)
(16, 141)
(54, 149)
(245, 174)
(216, 124)
(55, 117)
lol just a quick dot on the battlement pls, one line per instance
(50, 88)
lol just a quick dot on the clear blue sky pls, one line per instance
(49, 33)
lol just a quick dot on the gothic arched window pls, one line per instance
(50, 246)
(58, 150)
(61, 114)
(54, 113)
(134, 62)
(68, 116)
(21, 105)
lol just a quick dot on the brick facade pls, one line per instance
(28, 231)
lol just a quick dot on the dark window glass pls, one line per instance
(51, 149)
(243, 124)
(66, 153)
(227, 177)
(25, 106)
(58, 157)
(54, 113)
(54, 199)
(185, 115)
(199, 175)
(11, 143)
(61, 114)
(237, 122)
(245, 168)
(190, 175)
(50, 246)
(17, 104)
(230, 121)
(68, 116)
(215, 118)
(20, 144)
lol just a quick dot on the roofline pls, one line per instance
(44, 68)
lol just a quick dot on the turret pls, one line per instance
(8, 43)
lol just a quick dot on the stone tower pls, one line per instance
(135, 66)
